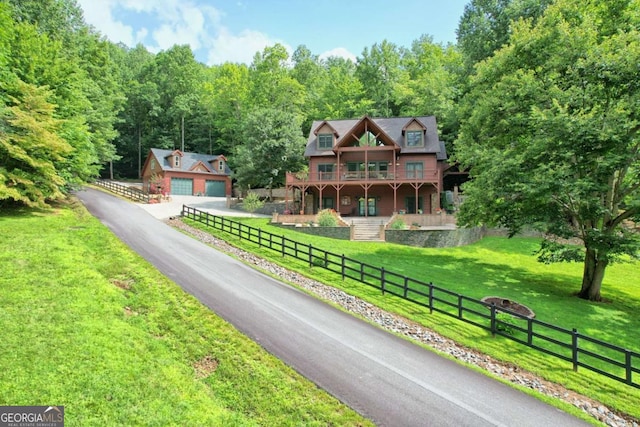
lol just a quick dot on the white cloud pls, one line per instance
(187, 29)
(340, 52)
(98, 14)
(175, 22)
(241, 48)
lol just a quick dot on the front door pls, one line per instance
(368, 208)
(410, 205)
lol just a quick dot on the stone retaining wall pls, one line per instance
(343, 233)
(435, 238)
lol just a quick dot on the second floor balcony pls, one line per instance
(398, 175)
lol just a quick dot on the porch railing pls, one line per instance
(400, 174)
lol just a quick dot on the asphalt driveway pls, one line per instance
(387, 379)
(213, 205)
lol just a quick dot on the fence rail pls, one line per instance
(580, 350)
(123, 190)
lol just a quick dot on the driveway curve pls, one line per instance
(387, 379)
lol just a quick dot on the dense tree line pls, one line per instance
(538, 98)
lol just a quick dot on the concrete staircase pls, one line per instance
(367, 228)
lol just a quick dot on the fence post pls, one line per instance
(406, 287)
(493, 319)
(459, 306)
(574, 349)
(342, 266)
(382, 279)
(627, 365)
(529, 331)
(310, 256)
(283, 246)
(430, 298)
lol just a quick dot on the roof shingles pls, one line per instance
(189, 160)
(392, 126)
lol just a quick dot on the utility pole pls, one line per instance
(182, 134)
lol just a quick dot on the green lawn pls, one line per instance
(90, 325)
(501, 267)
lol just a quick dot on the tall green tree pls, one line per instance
(272, 85)
(31, 150)
(178, 77)
(272, 144)
(485, 26)
(141, 106)
(551, 135)
(82, 74)
(379, 70)
(342, 94)
(432, 86)
(39, 61)
(308, 70)
(60, 19)
(225, 100)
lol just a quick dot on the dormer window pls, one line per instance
(325, 141)
(221, 166)
(415, 138)
(176, 161)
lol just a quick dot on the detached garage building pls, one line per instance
(187, 174)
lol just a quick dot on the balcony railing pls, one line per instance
(399, 175)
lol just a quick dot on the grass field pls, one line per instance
(501, 267)
(90, 325)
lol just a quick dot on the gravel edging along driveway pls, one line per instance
(404, 327)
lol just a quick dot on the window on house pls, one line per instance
(327, 203)
(153, 164)
(325, 171)
(355, 166)
(414, 170)
(325, 140)
(378, 169)
(221, 166)
(176, 161)
(368, 139)
(355, 170)
(414, 138)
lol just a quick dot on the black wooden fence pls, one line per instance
(570, 345)
(128, 192)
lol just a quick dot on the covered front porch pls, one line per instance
(363, 199)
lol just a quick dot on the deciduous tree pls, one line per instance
(272, 144)
(551, 135)
(31, 151)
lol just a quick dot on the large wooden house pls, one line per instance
(372, 166)
(190, 174)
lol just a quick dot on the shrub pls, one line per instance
(398, 224)
(252, 202)
(327, 218)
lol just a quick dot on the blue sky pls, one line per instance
(231, 30)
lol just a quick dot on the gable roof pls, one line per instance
(316, 129)
(393, 127)
(189, 161)
(365, 124)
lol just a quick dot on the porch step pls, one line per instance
(368, 228)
